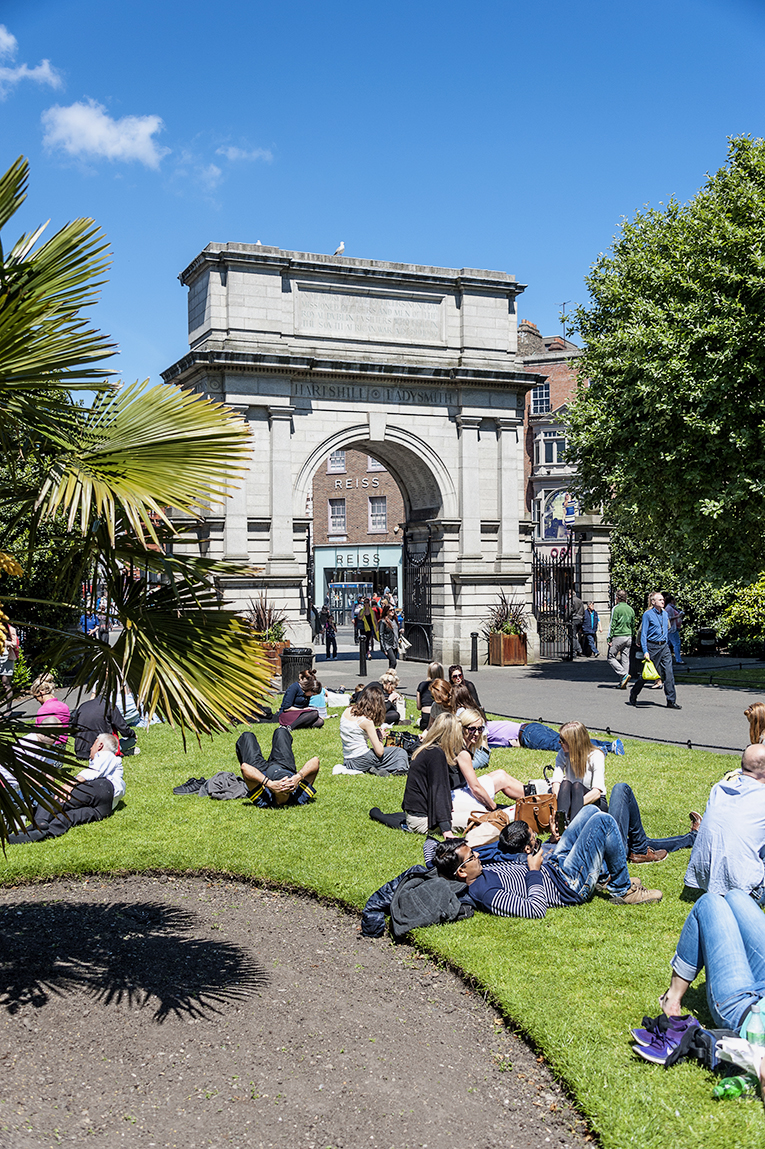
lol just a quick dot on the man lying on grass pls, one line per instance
(92, 795)
(275, 781)
(526, 882)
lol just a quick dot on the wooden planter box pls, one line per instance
(507, 650)
(273, 653)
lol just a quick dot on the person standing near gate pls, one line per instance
(574, 614)
(620, 635)
(654, 631)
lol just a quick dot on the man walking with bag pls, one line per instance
(654, 642)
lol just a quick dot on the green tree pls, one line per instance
(100, 480)
(669, 435)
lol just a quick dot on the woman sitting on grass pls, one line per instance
(725, 936)
(423, 698)
(363, 748)
(389, 682)
(442, 789)
(301, 714)
(476, 791)
(580, 772)
(443, 703)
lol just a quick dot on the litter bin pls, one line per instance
(707, 642)
(295, 659)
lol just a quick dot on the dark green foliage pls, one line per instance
(670, 432)
(635, 570)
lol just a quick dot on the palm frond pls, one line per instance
(143, 452)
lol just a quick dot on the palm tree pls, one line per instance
(107, 474)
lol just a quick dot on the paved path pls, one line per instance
(586, 689)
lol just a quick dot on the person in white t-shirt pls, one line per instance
(579, 778)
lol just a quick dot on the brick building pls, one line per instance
(547, 475)
(358, 516)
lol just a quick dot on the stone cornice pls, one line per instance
(303, 367)
(298, 262)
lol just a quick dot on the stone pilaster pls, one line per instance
(470, 490)
(508, 482)
(281, 547)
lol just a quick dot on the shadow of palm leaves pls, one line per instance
(142, 953)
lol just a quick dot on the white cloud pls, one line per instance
(86, 130)
(43, 73)
(232, 153)
(209, 176)
(8, 42)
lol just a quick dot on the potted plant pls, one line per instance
(505, 632)
(269, 624)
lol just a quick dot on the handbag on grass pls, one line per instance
(485, 826)
(537, 811)
(650, 673)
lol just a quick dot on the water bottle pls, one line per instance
(755, 1030)
(744, 1084)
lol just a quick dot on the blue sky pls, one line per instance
(504, 135)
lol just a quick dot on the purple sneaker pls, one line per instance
(661, 1036)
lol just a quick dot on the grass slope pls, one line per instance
(575, 983)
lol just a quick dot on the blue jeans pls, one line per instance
(625, 811)
(727, 937)
(536, 736)
(673, 638)
(481, 758)
(590, 642)
(591, 843)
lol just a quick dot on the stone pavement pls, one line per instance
(586, 689)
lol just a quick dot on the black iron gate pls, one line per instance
(555, 571)
(418, 621)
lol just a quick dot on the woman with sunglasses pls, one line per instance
(457, 678)
(477, 791)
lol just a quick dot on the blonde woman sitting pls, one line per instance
(580, 772)
(478, 792)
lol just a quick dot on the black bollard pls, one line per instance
(473, 651)
(362, 656)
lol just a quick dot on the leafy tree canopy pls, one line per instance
(669, 436)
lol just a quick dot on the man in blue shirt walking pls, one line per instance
(654, 642)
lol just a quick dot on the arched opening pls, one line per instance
(372, 503)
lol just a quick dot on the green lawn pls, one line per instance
(750, 678)
(575, 983)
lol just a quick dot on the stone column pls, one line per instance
(235, 541)
(281, 549)
(470, 490)
(594, 537)
(508, 489)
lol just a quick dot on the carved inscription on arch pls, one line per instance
(378, 318)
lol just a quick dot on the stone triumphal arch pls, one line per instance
(415, 365)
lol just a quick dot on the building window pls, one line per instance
(336, 463)
(373, 465)
(540, 399)
(550, 447)
(378, 513)
(336, 516)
